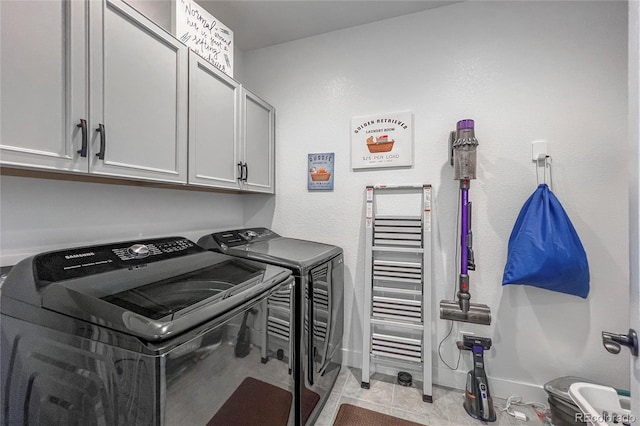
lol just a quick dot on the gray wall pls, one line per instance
(41, 214)
(524, 71)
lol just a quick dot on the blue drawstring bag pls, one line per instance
(544, 248)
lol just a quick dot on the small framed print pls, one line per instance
(384, 140)
(320, 171)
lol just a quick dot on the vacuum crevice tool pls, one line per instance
(471, 261)
(464, 165)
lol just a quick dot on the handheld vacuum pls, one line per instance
(243, 340)
(477, 398)
(463, 156)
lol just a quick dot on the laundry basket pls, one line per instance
(601, 405)
(564, 412)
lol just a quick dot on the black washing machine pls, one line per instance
(153, 332)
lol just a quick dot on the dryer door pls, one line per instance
(317, 321)
(322, 336)
(326, 308)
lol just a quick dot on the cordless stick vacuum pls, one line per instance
(477, 398)
(463, 153)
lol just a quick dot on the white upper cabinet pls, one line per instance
(139, 83)
(43, 83)
(231, 132)
(257, 143)
(137, 79)
(214, 154)
(96, 87)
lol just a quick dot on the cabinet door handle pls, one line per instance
(240, 170)
(246, 172)
(103, 141)
(83, 125)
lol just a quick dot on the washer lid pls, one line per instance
(177, 296)
(290, 252)
(264, 245)
(153, 289)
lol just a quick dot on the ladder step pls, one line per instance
(402, 264)
(396, 347)
(408, 228)
(397, 249)
(278, 327)
(405, 268)
(281, 302)
(396, 274)
(397, 236)
(397, 301)
(415, 351)
(388, 242)
(283, 334)
(380, 289)
(401, 305)
(282, 293)
(399, 220)
(284, 309)
(397, 323)
(397, 279)
(392, 314)
(397, 356)
(281, 297)
(399, 339)
(319, 328)
(277, 333)
(399, 310)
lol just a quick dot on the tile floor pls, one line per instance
(387, 397)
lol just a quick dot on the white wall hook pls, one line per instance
(538, 150)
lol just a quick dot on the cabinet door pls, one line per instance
(213, 126)
(258, 143)
(139, 94)
(43, 63)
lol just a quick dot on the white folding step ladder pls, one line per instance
(397, 288)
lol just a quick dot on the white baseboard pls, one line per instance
(456, 379)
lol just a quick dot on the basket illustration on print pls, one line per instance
(379, 144)
(320, 175)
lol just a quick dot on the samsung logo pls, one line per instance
(75, 256)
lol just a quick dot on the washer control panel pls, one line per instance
(141, 251)
(85, 261)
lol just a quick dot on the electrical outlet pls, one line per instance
(461, 334)
(460, 339)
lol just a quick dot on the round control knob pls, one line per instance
(250, 235)
(138, 251)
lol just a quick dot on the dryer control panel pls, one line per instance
(238, 237)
